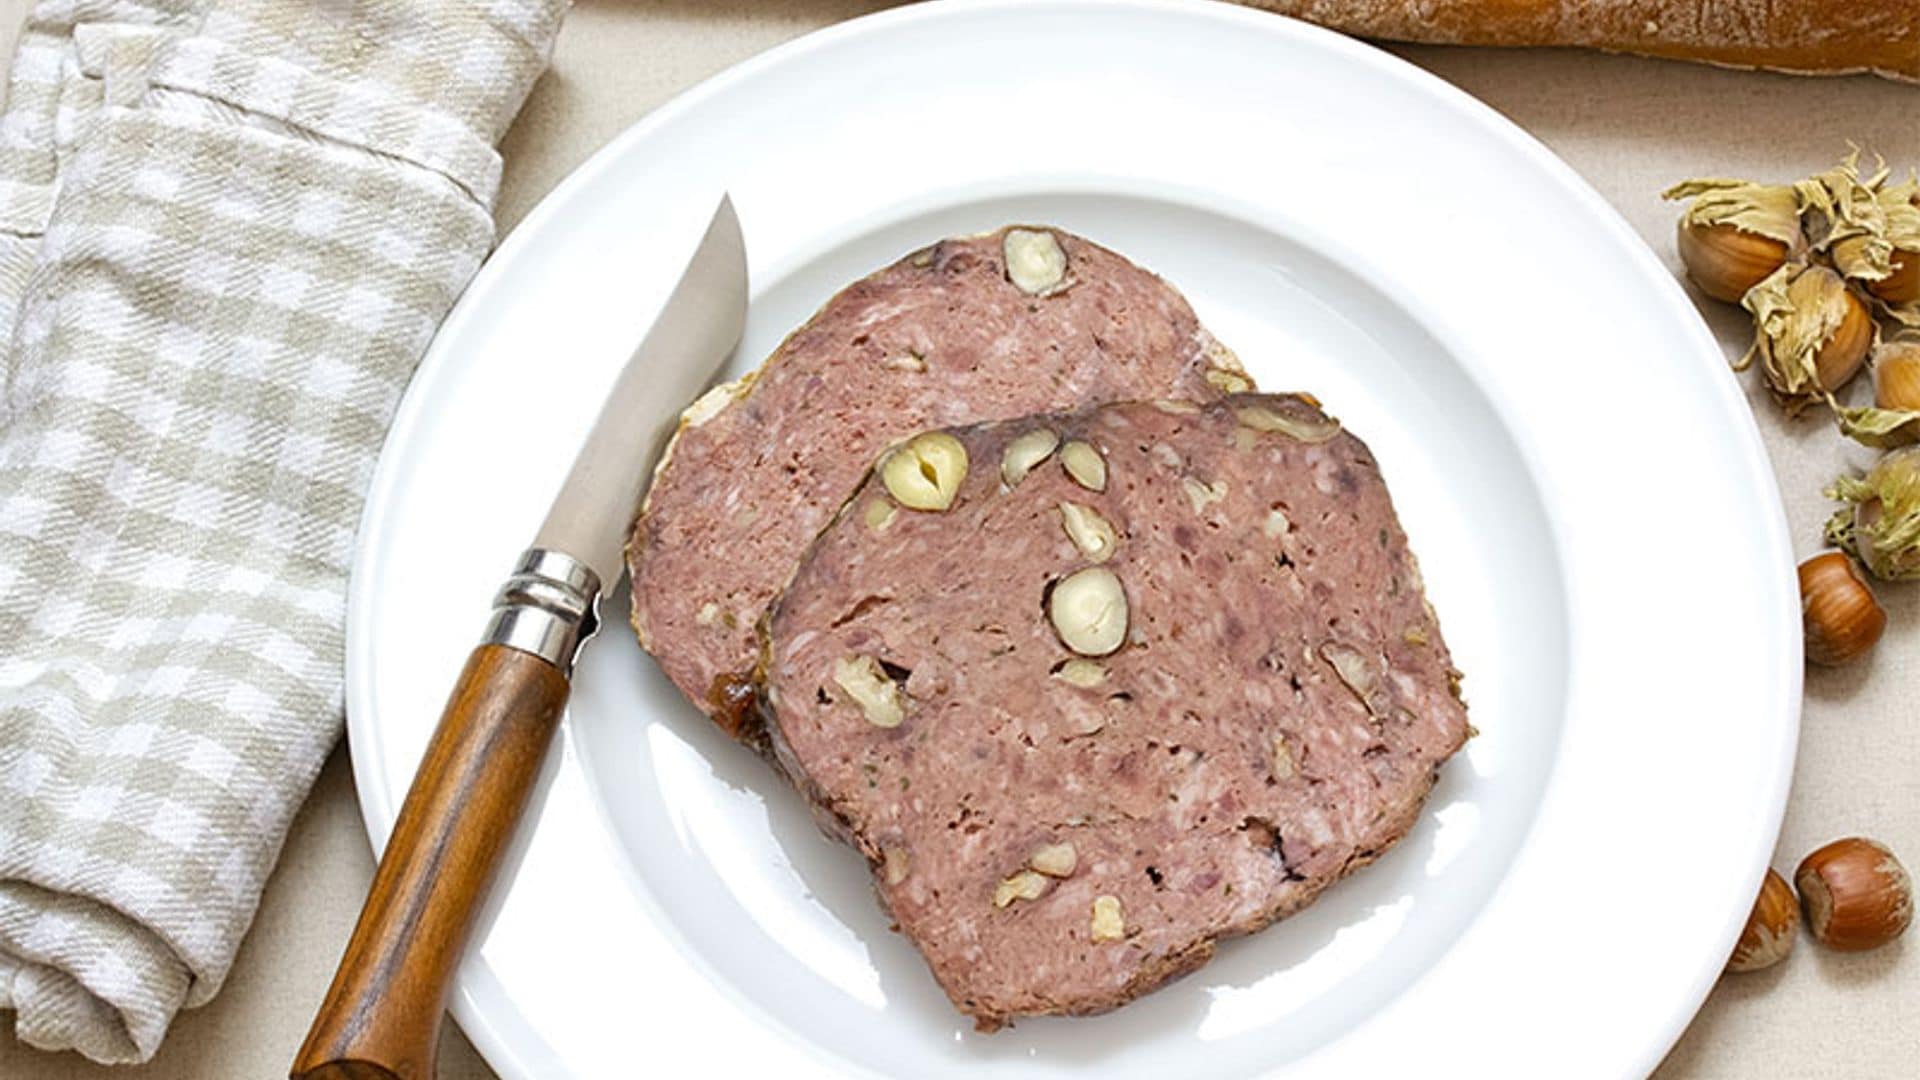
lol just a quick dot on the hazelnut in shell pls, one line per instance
(1811, 334)
(1869, 229)
(1842, 619)
(1896, 372)
(1894, 417)
(1735, 233)
(1857, 895)
(1888, 271)
(1902, 283)
(1725, 262)
(1771, 927)
(1900, 205)
(1844, 351)
(1881, 524)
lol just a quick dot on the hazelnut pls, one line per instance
(1227, 380)
(1307, 425)
(1200, 495)
(1882, 526)
(708, 405)
(1844, 352)
(1736, 233)
(1023, 885)
(1857, 895)
(1085, 465)
(1351, 665)
(1036, 264)
(879, 514)
(1841, 618)
(1902, 286)
(894, 865)
(1896, 374)
(1088, 609)
(925, 473)
(1810, 333)
(871, 688)
(1081, 673)
(1770, 930)
(1024, 452)
(1054, 860)
(1091, 533)
(1725, 261)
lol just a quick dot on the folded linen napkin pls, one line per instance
(228, 229)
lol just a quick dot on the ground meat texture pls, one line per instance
(1275, 715)
(942, 337)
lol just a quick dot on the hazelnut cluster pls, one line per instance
(1829, 268)
(1814, 263)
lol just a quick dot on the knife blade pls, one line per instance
(381, 1016)
(696, 330)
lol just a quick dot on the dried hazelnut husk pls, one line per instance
(1881, 526)
(1876, 240)
(1811, 334)
(1857, 894)
(1901, 287)
(1838, 612)
(1769, 933)
(1840, 207)
(1894, 417)
(1735, 233)
(1869, 230)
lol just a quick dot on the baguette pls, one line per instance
(1809, 37)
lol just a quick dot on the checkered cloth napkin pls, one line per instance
(228, 229)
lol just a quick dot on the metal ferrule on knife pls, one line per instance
(548, 607)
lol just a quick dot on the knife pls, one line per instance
(381, 1017)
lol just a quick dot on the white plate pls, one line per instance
(1585, 489)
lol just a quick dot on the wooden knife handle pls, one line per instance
(381, 1018)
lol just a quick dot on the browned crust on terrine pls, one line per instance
(1163, 776)
(941, 337)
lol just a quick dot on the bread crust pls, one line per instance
(1808, 37)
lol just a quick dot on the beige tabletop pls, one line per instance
(1630, 127)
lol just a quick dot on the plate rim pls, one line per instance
(378, 805)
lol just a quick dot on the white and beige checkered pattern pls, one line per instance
(228, 229)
